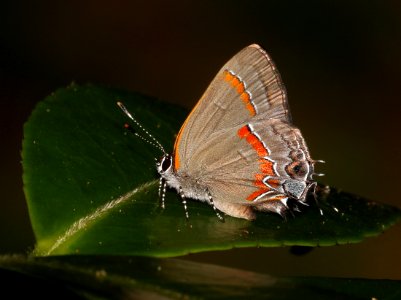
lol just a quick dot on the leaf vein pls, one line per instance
(95, 215)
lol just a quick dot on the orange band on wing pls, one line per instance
(176, 159)
(273, 183)
(266, 166)
(278, 197)
(239, 86)
(262, 187)
(244, 131)
(259, 181)
(253, 140)
(256, 194)
(245, 97)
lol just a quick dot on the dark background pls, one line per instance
(340, 61)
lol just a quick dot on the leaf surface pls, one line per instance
(92, 188)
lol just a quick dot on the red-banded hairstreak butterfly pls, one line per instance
(238, 149)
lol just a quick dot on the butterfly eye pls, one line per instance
(166, 163)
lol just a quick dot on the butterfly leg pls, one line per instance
(312, 186)
(162, 191)
(323, 192)
(160, 185)
(221, 218)
(184, 202)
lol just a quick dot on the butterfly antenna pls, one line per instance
(127, 126)
(153, 141)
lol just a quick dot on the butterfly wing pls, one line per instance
(248, 86)
(269, 164)
(238, 142)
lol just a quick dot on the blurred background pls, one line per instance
(340, 61)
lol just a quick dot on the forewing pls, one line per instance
(247, 87)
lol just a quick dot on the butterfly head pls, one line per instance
(165, 165)
(166, 170)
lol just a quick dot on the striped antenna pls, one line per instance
(155, 142)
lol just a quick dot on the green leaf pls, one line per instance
(111, 277)
(91, 188)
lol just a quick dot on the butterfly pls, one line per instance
(238, 150)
